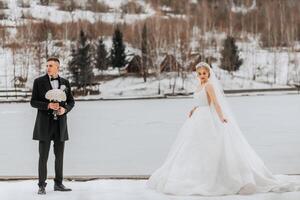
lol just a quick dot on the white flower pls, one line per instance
(56, 95)
(63, 87)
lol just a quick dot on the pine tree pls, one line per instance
(80, 65)
(74, 68)
(44, 2)
(118, 50)
(230, 60)
(101, 58)
(144, 47)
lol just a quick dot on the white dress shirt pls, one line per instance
(54, 83)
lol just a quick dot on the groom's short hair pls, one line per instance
(53, 59)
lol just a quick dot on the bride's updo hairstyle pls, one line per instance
(203, 65)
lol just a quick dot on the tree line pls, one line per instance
(85, 57)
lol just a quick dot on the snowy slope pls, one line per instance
(51, 13)
(135, 86)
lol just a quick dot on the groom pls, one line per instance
(46, 127)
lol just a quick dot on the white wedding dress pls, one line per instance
(213, 158)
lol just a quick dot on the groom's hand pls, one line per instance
(53, 106)
(61, 111)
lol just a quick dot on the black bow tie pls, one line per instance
(53, 79)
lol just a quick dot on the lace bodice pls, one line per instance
(200, 97)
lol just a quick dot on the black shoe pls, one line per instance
(61, 188)
(42, 190)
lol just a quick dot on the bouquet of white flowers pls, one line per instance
(56, 96)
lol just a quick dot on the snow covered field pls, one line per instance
(132, 137)
(116, 190)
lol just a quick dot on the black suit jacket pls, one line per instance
(41, 129)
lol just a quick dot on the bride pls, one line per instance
(210, 155)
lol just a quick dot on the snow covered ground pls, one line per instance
(53, 14)
(132, 86)
(132, 137)
(116, 190)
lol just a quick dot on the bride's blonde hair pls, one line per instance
(203, 65)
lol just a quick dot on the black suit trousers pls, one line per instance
(44, 147)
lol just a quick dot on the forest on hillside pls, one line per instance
(181, 32)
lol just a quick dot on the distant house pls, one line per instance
(170, 64)
(134, 65)
(194, 59)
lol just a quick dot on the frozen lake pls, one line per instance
(132, 137)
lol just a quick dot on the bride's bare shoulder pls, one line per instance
(209, 87)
